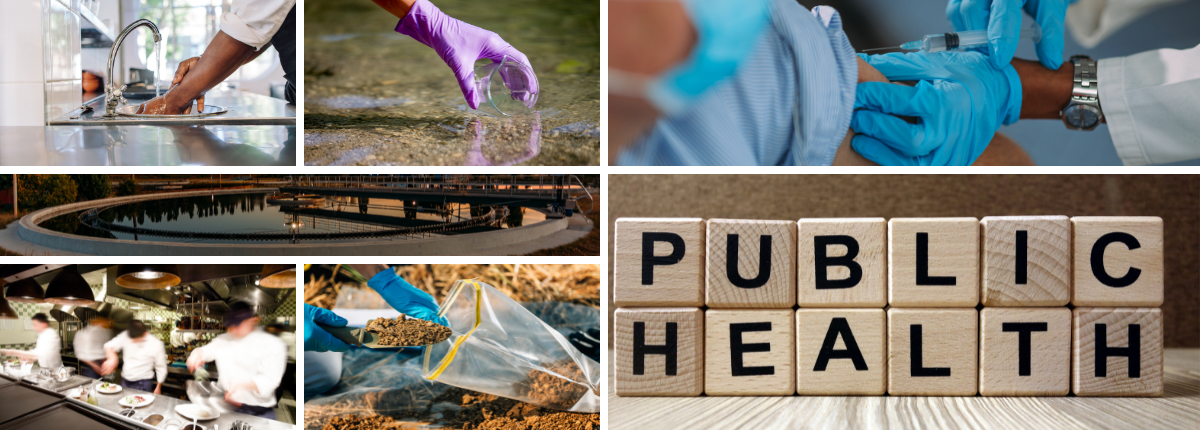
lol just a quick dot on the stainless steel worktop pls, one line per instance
(165, 406)
(144, 144)
(244, 109)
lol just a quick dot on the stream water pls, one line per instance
(377, 97)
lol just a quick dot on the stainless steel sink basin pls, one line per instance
(209, 110)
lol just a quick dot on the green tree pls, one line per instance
(92, 187)
(128, 187)
(43, 191)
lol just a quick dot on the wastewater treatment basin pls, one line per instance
(221, 107)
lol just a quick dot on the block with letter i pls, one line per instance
(932, 352)
(1026, 260)
(750, 264)
(1118, 261)
(841, 352)
(659, 351)
(1025, 351)
(658, 262)
(749, 353)
(1117, 352)
(933, 262)
(842, 263)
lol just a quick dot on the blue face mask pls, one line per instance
(725, 31)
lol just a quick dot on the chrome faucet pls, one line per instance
(112, 94)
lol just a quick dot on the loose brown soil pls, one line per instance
(479, 412)
(404, 331)
(551, 390)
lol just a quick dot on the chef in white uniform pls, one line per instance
(48, 351)
(145, 359)
(251, 362)
(89, 345)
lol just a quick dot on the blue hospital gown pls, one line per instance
(788, 104)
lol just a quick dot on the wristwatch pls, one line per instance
(1083, 111)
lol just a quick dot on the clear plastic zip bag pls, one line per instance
(498, 347)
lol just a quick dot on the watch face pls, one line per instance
(1082, 116)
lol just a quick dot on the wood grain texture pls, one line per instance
(1147, 290)
(719, 378)
(1049, 360)
(1045, 275)
(949, 339)
(840, 376)
(1179, 408)
(1117, 380)
(679, 284)
(871, 236)
(689, 374)
(779, 291)
(953, 251)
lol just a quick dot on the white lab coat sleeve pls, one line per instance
(270, 371)
(1091, 21)
(254, 22)
(1150, 102)
(160, 363)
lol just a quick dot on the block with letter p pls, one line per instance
(658, 262)
(1118, 261)
(659, 351)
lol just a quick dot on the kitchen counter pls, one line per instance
(165, 406)
(148, 145)
(244, 109)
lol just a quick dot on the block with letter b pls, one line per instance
(751, 264)
(749, 352)
(659, 351)
(933, 262)
(932, 352)
(1118, 261)
(658, 262)
(1026, 261)
(1024, 351)
(842, 262)
(1117, 352)
(841, 352)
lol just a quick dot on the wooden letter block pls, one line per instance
(1025, 351)
(932, 352)
(1118, 261)
(751, 264)
(749, 352)
(933, 262)
(1117, 352)
(842, 263)
(659, 351)
(841, 352)
(1026, 260)
(659, 262)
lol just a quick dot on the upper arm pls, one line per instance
(846, 156)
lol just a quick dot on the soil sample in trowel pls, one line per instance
(405, 331)
(552, 390)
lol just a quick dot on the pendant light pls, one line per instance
(25, 291)
(278, 276)
(6, 311)
(69, 288)
(147, 276)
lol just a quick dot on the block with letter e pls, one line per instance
(1118, 261)
(842, 263)
(749, 353)
(659, 351)
(658, 262)
(933, 262)
(841, 352)
(1117, 352)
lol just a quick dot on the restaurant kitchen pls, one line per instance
(192, 347)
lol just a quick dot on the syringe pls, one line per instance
(960, 40)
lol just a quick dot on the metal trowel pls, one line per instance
(356, 336)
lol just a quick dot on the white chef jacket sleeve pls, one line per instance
(1091, 21)
(254, 22)
(270, 372)
(46, 351)
(160, 363)
(117, 343)
(209, 352)
(1149, 101)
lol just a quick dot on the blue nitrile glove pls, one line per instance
(1002, 20)
(959, 103)
(316, 338)
(406, 298)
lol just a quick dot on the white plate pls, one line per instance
(114, 389)
(125, 400)
(197, 412)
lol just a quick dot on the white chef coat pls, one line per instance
(254, 22)
(143, 360)
(49, 349)
(89, 342)
(1149, 99)
(260, 357)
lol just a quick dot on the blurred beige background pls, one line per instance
(1175, 198)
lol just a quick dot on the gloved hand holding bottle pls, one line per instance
(1002, 20)
(959, 102)
(458, 44)
(397, 292)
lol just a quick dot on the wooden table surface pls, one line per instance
(1178, 408)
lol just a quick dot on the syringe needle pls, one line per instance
(881, 49)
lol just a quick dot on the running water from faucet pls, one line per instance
(158, 52)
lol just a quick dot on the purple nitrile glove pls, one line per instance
(460, 45)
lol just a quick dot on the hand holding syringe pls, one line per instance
(959, 40)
